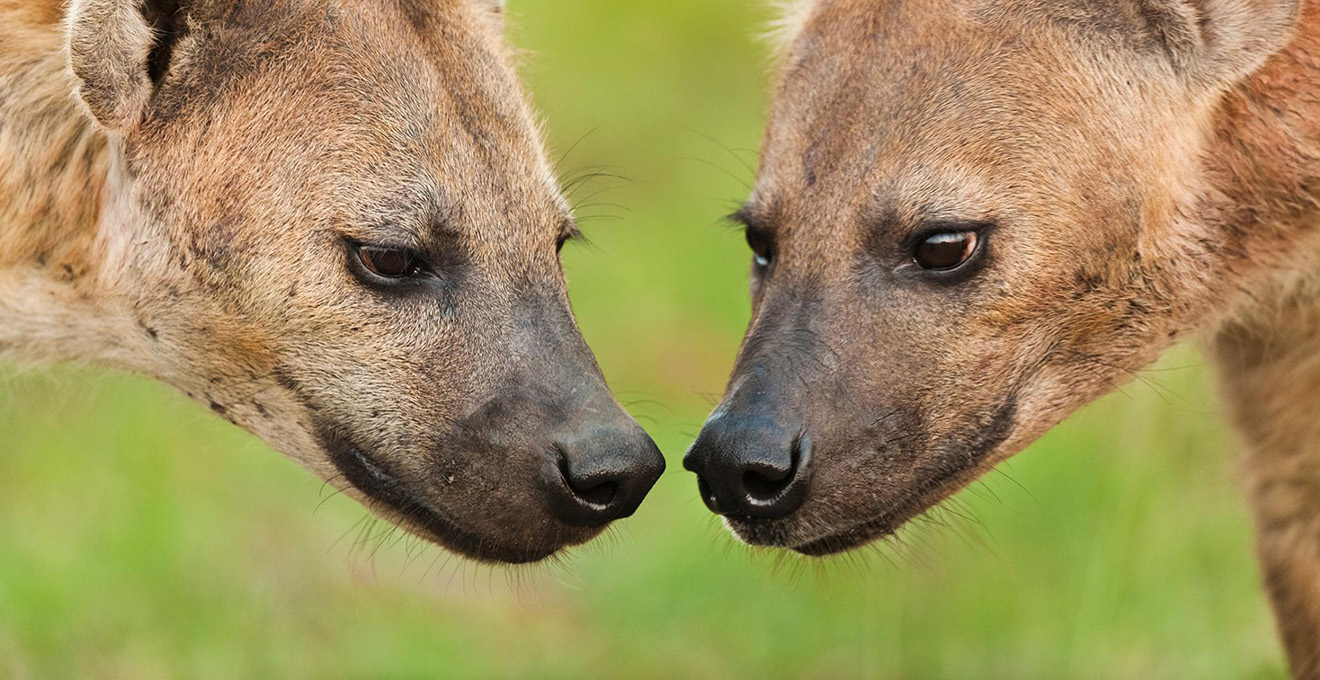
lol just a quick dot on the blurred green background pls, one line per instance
(141, 537)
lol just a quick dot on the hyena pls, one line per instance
(334, 224)
(974, 216)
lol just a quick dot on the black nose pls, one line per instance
(751, 465)
(602, 474)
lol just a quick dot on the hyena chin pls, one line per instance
(973, 217)
(331, 222)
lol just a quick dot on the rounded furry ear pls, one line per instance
(495, 6)
(491, 12)
(789, 17)
(118, 50)
(1220, 41)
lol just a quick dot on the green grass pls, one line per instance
(144, 538)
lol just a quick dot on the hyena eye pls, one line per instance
(762, 249)
(390, 263)
(568, 231)
(946, 250)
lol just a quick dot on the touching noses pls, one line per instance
(751, 465)
(602, 473)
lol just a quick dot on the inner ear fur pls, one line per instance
(1219, 42)
(119, 50)
(169, 23)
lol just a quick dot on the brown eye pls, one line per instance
(390, 263)
(762, 251)
(945, 250)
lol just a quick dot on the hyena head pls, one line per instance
(341, 232)
(971, 218)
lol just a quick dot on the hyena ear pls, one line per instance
(495, 8)
(119, 50)
(1219, 42)
(789, 18)
(490, 12)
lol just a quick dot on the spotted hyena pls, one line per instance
(331, 222)
(974, 216)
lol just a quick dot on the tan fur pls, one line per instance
(1271, 359)
(1151, 169)
(200, 229)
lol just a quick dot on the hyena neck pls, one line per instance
(1263, 167)
(64, 291)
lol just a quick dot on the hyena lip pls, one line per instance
(889, 522)
(990, 435)
(846, 540)
(379, 484)
(779, 534)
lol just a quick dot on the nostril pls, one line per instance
(751, 466)
(764, 488)
(707, 496)
(598, 493)
(601, 475)
(764, 482)
(601, 495)
(773, 489)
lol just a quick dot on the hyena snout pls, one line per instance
(525, 475)
(751, 463)
(601, 472)
(598, 463)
